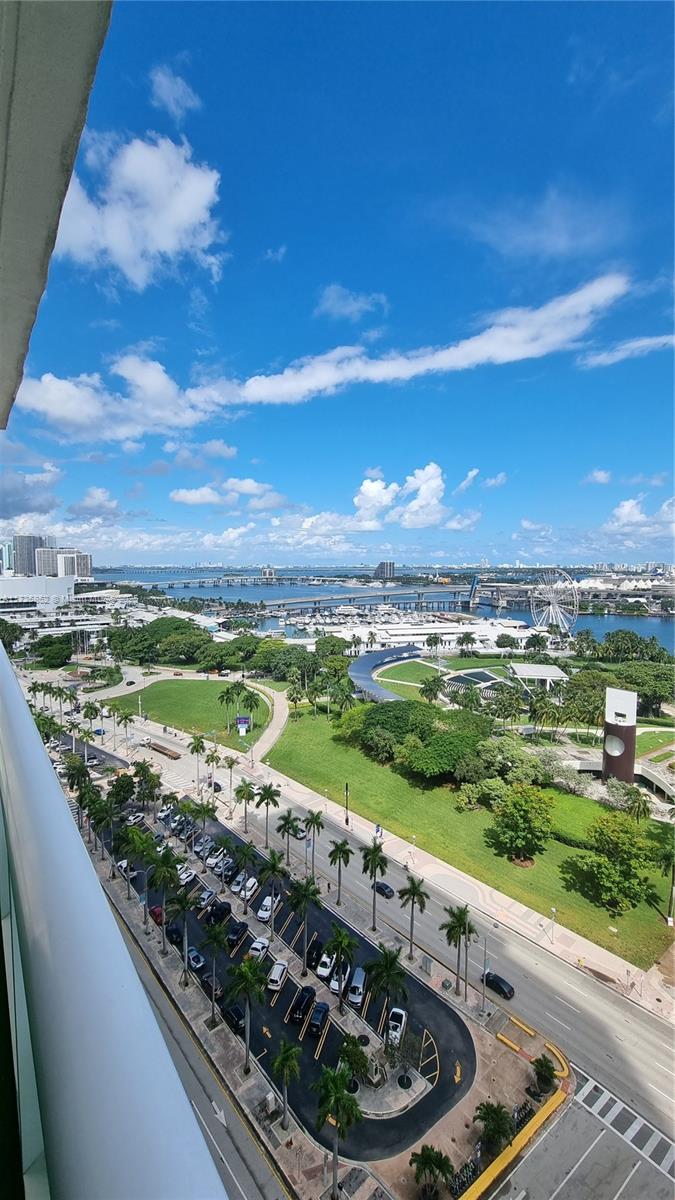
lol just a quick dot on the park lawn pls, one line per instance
(192, 705)
(471, 664)
(307, 751)
(652, 739)
(409, 672)
(407, 691)
(275, 685)
(658, 758)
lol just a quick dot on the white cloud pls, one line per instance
(656, 480)
(467, 481)
(514, 335)
(275, 256)
(217, 448)
(496, 481)
(598, 476)
(427, 488)
(337, 301)
(228, 537)
(96, 501)
(23, 492)
(556, 226)
(633, 348)
(372, 499)
(84, 408)
(131, 447)
(533, 526)
(629, 518)
(464, 521)
(153, 209)
(260, 497)
(170, 92)
(200, 495)
(373, 473)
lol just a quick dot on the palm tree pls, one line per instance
(114, 710)
(665, 860)
(287, 825)
(294, 694)
(246, 857)
(371, 639)
(186, 808)
(339, 857)
(269, 795)
(88, 797)
(286, 1067)
(205, 810)
(337, 1104)
(413, 894)
(60, 694)
(314, 692)
(227, 697)
(165, 876)
(72, 727)
(302, 893)
(212, 760)
(247, 982)
(177, 910)
(431, 1165)
(374, 863)
(637, 805)
(343, 694)
(142, 848)
(86, 738)
(431, 688)
(125, 719)
(230, 762)
(197, 746)
(90, 712)
(76, 772)
(344, 947)
(251, 700)
(273, 871)
(313, 824)
(215, 940)
(455, 929)
(244, 794)
(465, 640)
(433, 642)
(544, 1069)
(386, 975)
(356, 643)
(497, 1124)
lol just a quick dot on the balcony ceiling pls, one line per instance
(48, 57)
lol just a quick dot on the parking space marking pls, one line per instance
(665, 1095)
(322, 1039)
(381, 1022)
(287, 922)
(626, 1181)
(305, 1024)
(577, 1165)
(366, 1002)
(275, 997)
(297, 935)
(429, 1046)
(288, 1010)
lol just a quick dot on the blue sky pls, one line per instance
(338, 282)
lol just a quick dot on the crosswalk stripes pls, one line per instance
(638, 1133)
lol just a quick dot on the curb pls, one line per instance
(504, 1160)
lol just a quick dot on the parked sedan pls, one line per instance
(218, 912)
(318, 1019)
(195, 959)
(135, 819)
(299, 833)
(122, 868)
(277, 976)
(259, 948)
(236, 932)
(302, 1004)
(325, 967)
(383, 889)
(314, 953)
(398, 1020)
(234, 1015)
(206, 897)
(165, 813)
(207, 984)
(214, 859)
(499, 985)
(238, 883)
(185, 876)
(265, 910)
(174, 932)
(157, 914)
(339, 981)
(250, 889)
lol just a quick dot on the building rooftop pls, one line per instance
(536, 671)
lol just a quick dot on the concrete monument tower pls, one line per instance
(618, 750)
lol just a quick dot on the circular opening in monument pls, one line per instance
(404, 1081)
(613, 745)
(364, 1040)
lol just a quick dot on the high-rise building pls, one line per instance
(83, 564)
(6, 556)
(46, 561)
(66, 562)
(25, 546)
(384, 570)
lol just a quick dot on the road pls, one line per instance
(244, 1169)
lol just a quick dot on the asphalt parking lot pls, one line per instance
(443, 1038)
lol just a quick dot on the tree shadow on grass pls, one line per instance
(576, 876)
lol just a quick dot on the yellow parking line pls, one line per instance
(381, 1024)
(297, 935)
(289, 918)
(238, 946)
(288, 1010)
(305, 1024)
(366, 1002)
(322, 1039)
(275, 997)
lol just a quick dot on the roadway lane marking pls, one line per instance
(665, 1095)
(559, 1022)
(567, 1005)
(576, 989)
(577, 1164)
(662, 1068)
(219, 1152)
(626, 1181)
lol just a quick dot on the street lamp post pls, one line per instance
(482, 1003)
(553, 913)
(347, 805)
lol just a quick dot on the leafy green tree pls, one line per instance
(76, 772)
(413, 894)
(432, 1167)
(456, 929)
(215, 941)
(536, 641)
(247, 982)
(344, 947)
(665, 860)
(197, 746)
(354, 1057)
(638, 805)
(302, 894)
(375, 862)
(268, 796)
(288, 826)
(522, 822)
(286, 1067)
(386, 976)
(506, 642)
(10, 634)
(295, 695)
(90, 712)
(615, 868)
(465, 641)
(340, 857)
(497, 1122)
(337, 1105)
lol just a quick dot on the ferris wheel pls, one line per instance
(554, 600)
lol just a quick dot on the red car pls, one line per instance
(157, 914)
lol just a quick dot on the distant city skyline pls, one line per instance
(414, 308)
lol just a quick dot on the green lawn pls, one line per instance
(468, 664)
(410, 672)
(663, 757)
(652, 739)
(275, 685)
(307, 751)
(192, 705)
(407, 691)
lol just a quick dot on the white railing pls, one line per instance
(116, 1122)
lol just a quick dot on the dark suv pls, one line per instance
(303, 1003)
(499, 985)
(234, 1015)
(236, 932)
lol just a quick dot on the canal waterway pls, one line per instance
(663, 628)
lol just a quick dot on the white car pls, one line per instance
(238, 883)
(214, 859)
(345, 972)
(206, 898)
(265, 910)
(277, 976)
(398, 1020)
(185, 876)
(164, 813)
(136, 818)
(259, 948)
(300, 833)
(325, 967)
(122, 868)
(250, 889)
